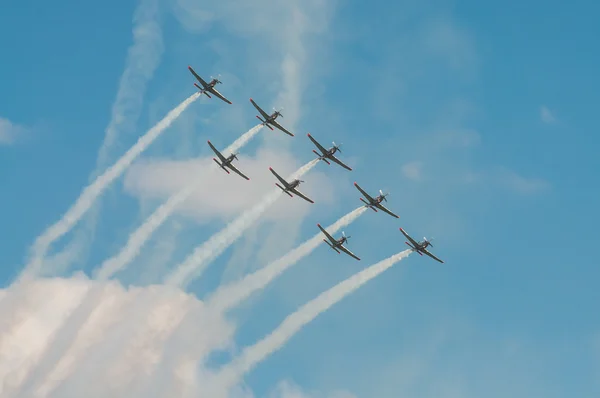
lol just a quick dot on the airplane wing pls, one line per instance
(233, 168)
(414, 243)
(198, 77)
(284, 182)
(218, 94)
(263, 113)
(333, 158)
(366, 195)
(219, 154)
(382, 207)
(331, 238)
(348, 252)
(431, 255)
(280, 127)
(294, 190)
(321, 147)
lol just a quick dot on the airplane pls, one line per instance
(208, 87)
(291, 186)
(337, 244)
(226, 161)
(328, 153)
(420, 247)
(270, 119)
(375, 202)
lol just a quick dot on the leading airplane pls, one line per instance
(337, 244)
(208, 87)
(328, 153)
(420, 247)
(270, 119)
(290, 187)
(374, 203)
(226, 161)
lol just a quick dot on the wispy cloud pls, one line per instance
(522, 185)
(9, 131)
(413, 170)
(289, 389)
(546, 115)
(448, 40)
(143, 57)
(228, 194)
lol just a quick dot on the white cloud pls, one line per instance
(522, 185)
(288, 389)
(442, 37)
(461, 138)
(138, 342)
(223, 196)
(413, 170)
(546, 115)
(117, 348)
(9, 132)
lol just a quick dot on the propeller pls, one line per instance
(344, 235)
(383, 195)
(278, 111)
(217, 79)
(428, 241)
(337, 146)
(235, 155)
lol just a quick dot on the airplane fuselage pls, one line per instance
(419, 247)
(294, 184)
(227, 161)
(340, 242)
(210, 85)
(376, 201)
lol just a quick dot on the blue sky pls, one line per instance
(479, 118)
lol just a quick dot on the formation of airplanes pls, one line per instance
(291, 188)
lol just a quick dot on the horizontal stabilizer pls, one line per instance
(283, 189)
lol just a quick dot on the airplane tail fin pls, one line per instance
(414, 249)
(221, 166)
(280, 187)
(368, 205)
(264, 122)
(202, 91)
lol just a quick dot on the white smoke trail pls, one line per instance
(139, 237)
(231, 295)
(195, 264)
(92, 191)
(143, 57)
(61, 342)
(254, 354)
(69, 356)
